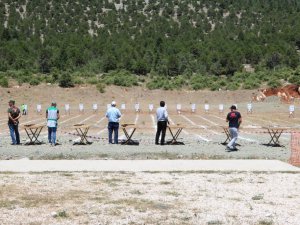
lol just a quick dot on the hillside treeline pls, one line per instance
(168, 38)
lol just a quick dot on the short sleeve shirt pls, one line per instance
(233, 118)
(14, 114)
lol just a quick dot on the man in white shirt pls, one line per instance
(162, 121)
(113, 115)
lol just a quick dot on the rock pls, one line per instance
(54, 214)
(24, 158)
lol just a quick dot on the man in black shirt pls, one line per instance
(234, 119)
(14, 115)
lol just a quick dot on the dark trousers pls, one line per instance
(161, 129)
(113, 128)
(14, 133)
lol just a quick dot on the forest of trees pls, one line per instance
(168, 44)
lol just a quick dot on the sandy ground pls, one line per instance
(150, 198)
(202, 133)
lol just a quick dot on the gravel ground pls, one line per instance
(150, 198)
(193, 149)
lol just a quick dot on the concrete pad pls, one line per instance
(145, 165)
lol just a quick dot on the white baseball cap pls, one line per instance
(113, 103)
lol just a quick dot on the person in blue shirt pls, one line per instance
(113, 115)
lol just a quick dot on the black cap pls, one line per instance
(233, 107)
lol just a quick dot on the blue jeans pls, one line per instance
(113, 128)
(14, 133)
(234, 135)
(52, 135)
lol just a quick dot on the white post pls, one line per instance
(151, 107)
(137, 107)
(38, 108)
(206, 108)
(67, 108)
(178, 108)
(249, 108)
(292, 111)
(95, 107)
(123, 106)
(81, 108)
(193, 108)
(221, 108)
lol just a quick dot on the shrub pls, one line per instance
(4, 82)
(78, 80)
(92, 80)
(232, 86)
(274, 83)
(199, 82)
(66, 80)
(120, 78)
(101, 87)
(295, 79)
(34, 81)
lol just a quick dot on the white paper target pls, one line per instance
(108, 106)
(292, 108)
(193, 107)
(221, 107)
(123, 106)
(151, 107)
(206, 107)
(81, 107)
(95, 106)
(137, 107)
(67, 107)
(249, 107)
(39, 108)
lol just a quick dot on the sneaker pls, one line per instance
(228, 149)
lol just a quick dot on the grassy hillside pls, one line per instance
(164, 44)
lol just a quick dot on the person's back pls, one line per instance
(233, 119)
(113, 114)
(52, 115)
(161, 114)
(162, 120)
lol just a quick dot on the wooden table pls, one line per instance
(82, 130)
(128, 135)
(275, 133)
(33, 132)
(175, 135)
(227, 133)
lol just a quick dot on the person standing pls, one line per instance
(234, 119)
(23, 109)
(162, 121)
(14, 115)
(113, 115)
(52, 116)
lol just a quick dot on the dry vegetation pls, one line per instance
(149, 198)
